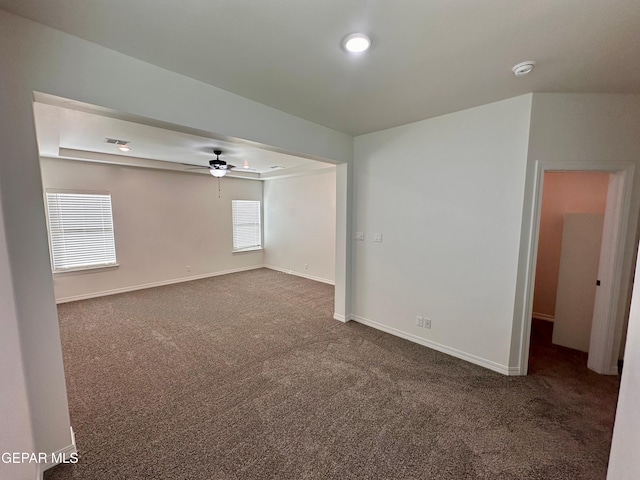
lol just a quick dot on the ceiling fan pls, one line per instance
(218, 168)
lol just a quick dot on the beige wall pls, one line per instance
(300, 225)
(164, 222)
(563, 192)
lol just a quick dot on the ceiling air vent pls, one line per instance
(276, 167)
(115, 141)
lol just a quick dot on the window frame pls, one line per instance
(80, 268)
(251, 248)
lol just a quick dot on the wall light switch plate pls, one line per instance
(360, 236)
(377, 237)
(419, 321)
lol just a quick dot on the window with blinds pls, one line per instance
(247, 233)
(80, 231)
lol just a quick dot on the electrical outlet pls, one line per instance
(377, 237)
(306, 266)
(188, 268)
(360, 236)
(427, 322)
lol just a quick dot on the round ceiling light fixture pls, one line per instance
(356, 43)
(218, 173)
(523, 68)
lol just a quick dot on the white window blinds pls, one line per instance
(247, 234)
(80, 231)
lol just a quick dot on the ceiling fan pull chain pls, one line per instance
(218, 187)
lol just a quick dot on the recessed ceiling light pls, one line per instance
(124, 148)
(523, 68)
(356, 43)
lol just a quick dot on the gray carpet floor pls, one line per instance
(247, 376)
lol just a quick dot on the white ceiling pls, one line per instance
(429, 57)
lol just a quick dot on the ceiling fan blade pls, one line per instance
(196, 168)
(229, 167)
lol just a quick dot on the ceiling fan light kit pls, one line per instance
(218, 168)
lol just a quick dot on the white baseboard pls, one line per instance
(65, 452)
(300, 274)
(342, 318)
(543, 316)
(483, 362)
(133, 288)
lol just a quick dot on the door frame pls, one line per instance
(603, 350)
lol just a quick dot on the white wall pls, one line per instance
(446, 194)
(38, 58)
(300, 225)
(164, 221)
(624, 461)
(13, 400)
(344, 229)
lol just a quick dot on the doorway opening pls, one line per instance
(608, 307)
(569, 244)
